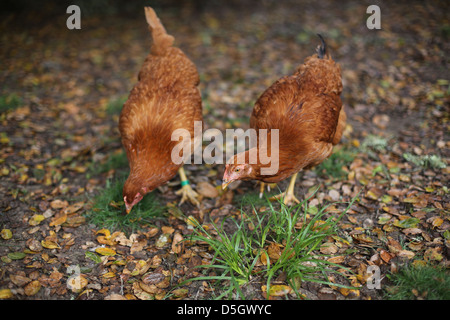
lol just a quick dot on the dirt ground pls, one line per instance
(60, 83)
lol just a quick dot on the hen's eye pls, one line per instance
(237, 170)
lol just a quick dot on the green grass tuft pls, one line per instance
(9, 101)
(114, 161)
(422, 282)
(114, 106)
(237, 253)
(333, 166)
(108, 209)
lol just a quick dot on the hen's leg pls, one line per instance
(262, 185)
(288, 196)
(186, 191)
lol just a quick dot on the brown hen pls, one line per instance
(165, 98)
(307, 110)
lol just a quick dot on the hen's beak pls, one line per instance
(225, 184)
(128, 207)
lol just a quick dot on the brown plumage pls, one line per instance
(165, 98)
(306, 108)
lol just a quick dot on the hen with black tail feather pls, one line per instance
(322, 49)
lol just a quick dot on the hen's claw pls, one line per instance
(187, 193)
(288, 196)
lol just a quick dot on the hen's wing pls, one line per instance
(305, 108)
(165, 98)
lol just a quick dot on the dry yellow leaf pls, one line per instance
(436, 221)
(278, 290)
(168, 230)
(50, 244)
(74, 207)
(105, 251)
(105, 232)
(6, 234)
(36, 219)
(104, 240)
(32, 288)
(109, 275)
(6, 294)
(59, 219)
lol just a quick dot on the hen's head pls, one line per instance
(237, 171)
(133, 192)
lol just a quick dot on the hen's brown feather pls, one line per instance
(307, 109)
(165, 98)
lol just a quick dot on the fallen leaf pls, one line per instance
(433, 254)
(363, 238)
(386, 256)
(162, 240)
(138, 244)
(36, 219)
(436, 221)
(374, 193)
(77, 283)
(206, 189)
(334, 195)
(180, 293)
(177, 243)
(16, 255)
(406, 223)
(274, 251)
(73, 208)
(140, 293)
(32, 288)
(394, 246)
(406, 254)
(105, 251)
(108, 275)
(34, 245)
(167, 230)
(412, 231)
(6, 294)
(58, 204)
(19, 280)
(337, 259)
(93, 256)
(115, 296)
(328, 248)
(59, 219)
(50, 244)
(6, 234)
(153, 277)
(278, 290)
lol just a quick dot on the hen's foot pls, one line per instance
(187, 193)
(288, 198)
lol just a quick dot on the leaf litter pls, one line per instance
(60, 144)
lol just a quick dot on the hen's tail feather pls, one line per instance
(161, 40)
(321, 49)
